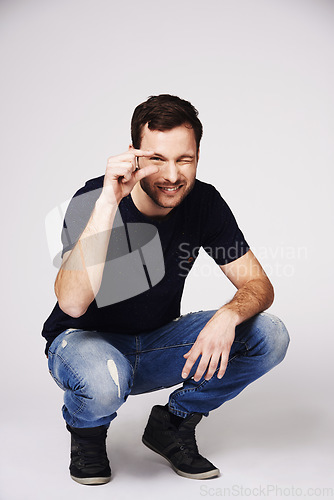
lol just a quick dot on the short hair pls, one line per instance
(164, 112)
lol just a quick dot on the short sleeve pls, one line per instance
(222, 239)
(78, 214)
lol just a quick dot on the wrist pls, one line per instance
(230, 315)
(104, 202)
(110, 195)
(103, 215)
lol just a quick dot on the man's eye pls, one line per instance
(155, 158)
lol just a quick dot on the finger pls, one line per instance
(144, 172)
(192, 356)
(142, 152)
(126, 161)
(223, 365)
(202, 366)
(120, 171)
(121, 164)
(212, 366)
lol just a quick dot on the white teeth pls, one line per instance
(170, 189)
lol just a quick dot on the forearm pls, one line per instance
(252, 298)
(80, 275)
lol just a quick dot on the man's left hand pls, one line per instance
(213, 344)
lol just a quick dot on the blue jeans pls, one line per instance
(99, 370)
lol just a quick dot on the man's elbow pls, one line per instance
(69, 307)
(67, 303)
(70, 310)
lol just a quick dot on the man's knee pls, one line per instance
(108, 383)
(274, 337)
(96, 384)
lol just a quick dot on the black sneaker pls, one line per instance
(177, 443)
(89, 461)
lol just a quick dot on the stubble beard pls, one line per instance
(157, 196)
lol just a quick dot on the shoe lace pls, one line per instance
(187, 442)
(92, 452)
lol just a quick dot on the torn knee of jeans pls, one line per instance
(114, 374)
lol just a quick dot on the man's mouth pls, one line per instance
(170, 189)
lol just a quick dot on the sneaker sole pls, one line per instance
(200, 475)
(91, 481)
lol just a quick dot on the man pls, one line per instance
(101, 349)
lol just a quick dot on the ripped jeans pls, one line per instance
(98, 371)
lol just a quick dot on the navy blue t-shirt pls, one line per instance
(151, 258)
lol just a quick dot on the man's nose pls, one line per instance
(170, 172)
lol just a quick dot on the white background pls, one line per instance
(260, 72)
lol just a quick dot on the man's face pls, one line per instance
(176, 156)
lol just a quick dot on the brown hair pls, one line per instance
(164, 112)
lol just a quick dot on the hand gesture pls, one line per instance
(122, 174)
(213, 344)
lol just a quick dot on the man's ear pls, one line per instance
(131, 146)
(198, 154)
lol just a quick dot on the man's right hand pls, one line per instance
(76, 290)
(122, 174)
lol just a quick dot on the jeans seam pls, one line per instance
(136, 354)
(158, 349)
(82, 405)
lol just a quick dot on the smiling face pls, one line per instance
(176, 156)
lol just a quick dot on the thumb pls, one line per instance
(144, 172)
